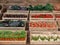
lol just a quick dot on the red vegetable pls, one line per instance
(42, 16)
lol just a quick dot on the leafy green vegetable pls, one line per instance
(56, 38)
(10, 34)
(47, 7)
(22, 34)
(30, 7)
(16, 33)
(35, 38)
(38, 7)
(48, 38)
(42, 38)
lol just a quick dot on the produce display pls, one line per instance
(42, 37)
(42, 16)
(15, 16)
(42, 24)
(10, 23)
(34, 19)
(47, 7)
(16, 7)
(12, 36)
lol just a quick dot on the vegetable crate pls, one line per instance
(43, 25)
(45, 37)
(15, 15)
(57, 16)
(37, 15)
(13, 37)
(12, 25)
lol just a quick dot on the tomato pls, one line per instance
(44, 24)
(40, 24)
(35, 16)
(53, 25)
(48, 25)
(48, 16)
(35, 24)
(31, 24)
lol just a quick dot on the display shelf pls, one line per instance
(18, 15)
(12, 42)
(41, 15)
(43, 25)
(44, 34)
(40, 11)
(12, 28)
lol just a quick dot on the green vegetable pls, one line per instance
(56, 38)
(38, 7)
(35, 38)
(10, 34)
(22, 34)
(6, 36)
(48, 38)
(30, 7)
(42, 38)
(48, 7)
(16, 33)
(21, 24)
(1, 36)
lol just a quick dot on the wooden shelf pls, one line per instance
(12, 28)
(12, 42)
(23, 19)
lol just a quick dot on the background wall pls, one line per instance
(28, 2)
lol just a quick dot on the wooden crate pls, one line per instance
(12, 28)
(14, 42)
(44, 28)
(15, 12)
(44, 33)
(41, 12)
